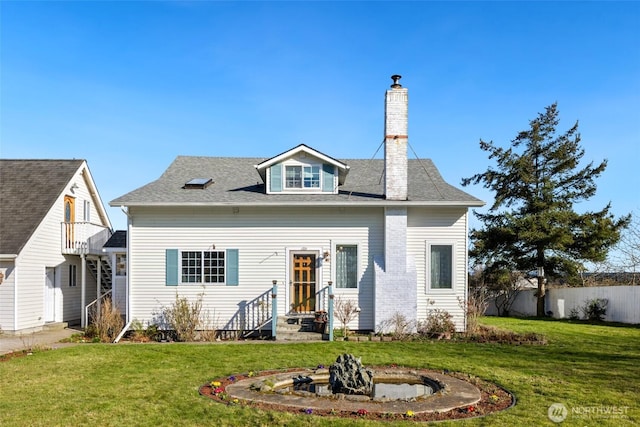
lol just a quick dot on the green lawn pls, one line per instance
(588, 368)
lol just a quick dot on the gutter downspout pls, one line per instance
(122, 332)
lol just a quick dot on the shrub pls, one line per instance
(345, 311)
(397, 325)
(438, 324)
(142, 334)
(595, 309)
(209, 326)
(107, 323)
(474, 308)
(183, 317)
(574, 314)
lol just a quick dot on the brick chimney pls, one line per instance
(396, 119)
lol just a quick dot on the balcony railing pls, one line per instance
(83, 238)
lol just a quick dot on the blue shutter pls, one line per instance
(276, 178)
(232, 267)
(171, 267)
(327, 178)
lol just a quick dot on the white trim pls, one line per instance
(334, 250)
(427, 267)
(49, 304)
(318, 203)
(296, 150)
(302, 189)
(93, 190)
(202, 275)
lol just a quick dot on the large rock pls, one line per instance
(348, 376)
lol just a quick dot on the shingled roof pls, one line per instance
(236, 182)
(117, 240)
(28, 190)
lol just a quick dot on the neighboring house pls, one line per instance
(52, 228)
(389, 234)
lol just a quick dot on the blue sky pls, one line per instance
(128, 86)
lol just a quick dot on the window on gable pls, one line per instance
(203, 267)
(441, 266)
(86, 212)
(346, 266)
(302, 176)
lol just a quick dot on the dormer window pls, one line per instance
(302, 170)
(302, 177)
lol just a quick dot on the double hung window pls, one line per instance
(441, 266)
(203, 266)
(346, 266)
(302, 177)
(218, 267)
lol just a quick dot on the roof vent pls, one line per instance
(198, 183)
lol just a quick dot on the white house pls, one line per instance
(389, 234)
(52, 228)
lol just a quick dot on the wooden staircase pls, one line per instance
(105, 270)
(297, 328)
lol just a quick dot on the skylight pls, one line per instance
(198, 183)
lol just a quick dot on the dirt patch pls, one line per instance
(14, 355)
(492, 399)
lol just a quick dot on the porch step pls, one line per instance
(299, 336)
(297, 328)
(55, 326)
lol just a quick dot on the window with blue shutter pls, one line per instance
(275, 178)
(327, 177)
(232, 267)
(171, 267)
(204, 267)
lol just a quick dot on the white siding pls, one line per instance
(439, 225)
(262, 236)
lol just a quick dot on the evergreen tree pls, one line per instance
(532, 225)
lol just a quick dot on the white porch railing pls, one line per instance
(322, 299)
(83, 238)
(252, 316)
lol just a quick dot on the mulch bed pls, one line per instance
(14, 354)
(493, 399)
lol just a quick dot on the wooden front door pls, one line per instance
(303, 283)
